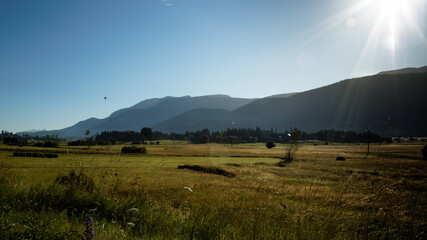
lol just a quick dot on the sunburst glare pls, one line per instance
(395, 20)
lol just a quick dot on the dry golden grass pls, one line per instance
(387, 188)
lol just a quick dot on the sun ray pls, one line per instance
(394, 17)
(332, 22)
(370, 41)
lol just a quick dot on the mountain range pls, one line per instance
(389, 103)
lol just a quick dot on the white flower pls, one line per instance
(188, 189)
(131, 224)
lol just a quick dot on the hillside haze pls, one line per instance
(390, 100)
(354, 104)
(147, 113)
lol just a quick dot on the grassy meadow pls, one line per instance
(143, 196)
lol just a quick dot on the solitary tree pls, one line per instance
(292, 146)
(147, 133)
(88, 139)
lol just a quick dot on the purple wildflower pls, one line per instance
(115, 174)
(88, 233)
(196, 233)
(285, 206)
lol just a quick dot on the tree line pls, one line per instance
(228, 136)
(241, 135)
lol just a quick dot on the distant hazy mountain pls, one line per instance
(282, 95)
(354, 104)
(34, 130)
(148, 113)
(406, 70)
(197, 119)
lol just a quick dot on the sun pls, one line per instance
(387, 27)
(395, 23)
(391, 13)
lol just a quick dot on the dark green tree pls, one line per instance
(270, 145)
(147, 133)
(89, 140)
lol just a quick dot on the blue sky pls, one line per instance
(58, 59)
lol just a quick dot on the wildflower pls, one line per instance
(130, 224)
(285, 206)
(115, 174)
(89, 233)
(188, 189)
(196, 233)
(133, 210)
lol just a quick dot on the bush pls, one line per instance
(283, 161)
(76, 180)
(270, 145)
(134, 149)
(10, 141)
(75, 143)
(48, 144)
(18, 154)
(212, 170)
(102, 142)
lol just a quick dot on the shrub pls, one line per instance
(270, 145)
(134, 149)
(48, 144)
(76, 180)
(10, 141)
(103, 142)
(75, 143)
(283, 161)
(18, 154)
(51, 155)
(212, 170)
